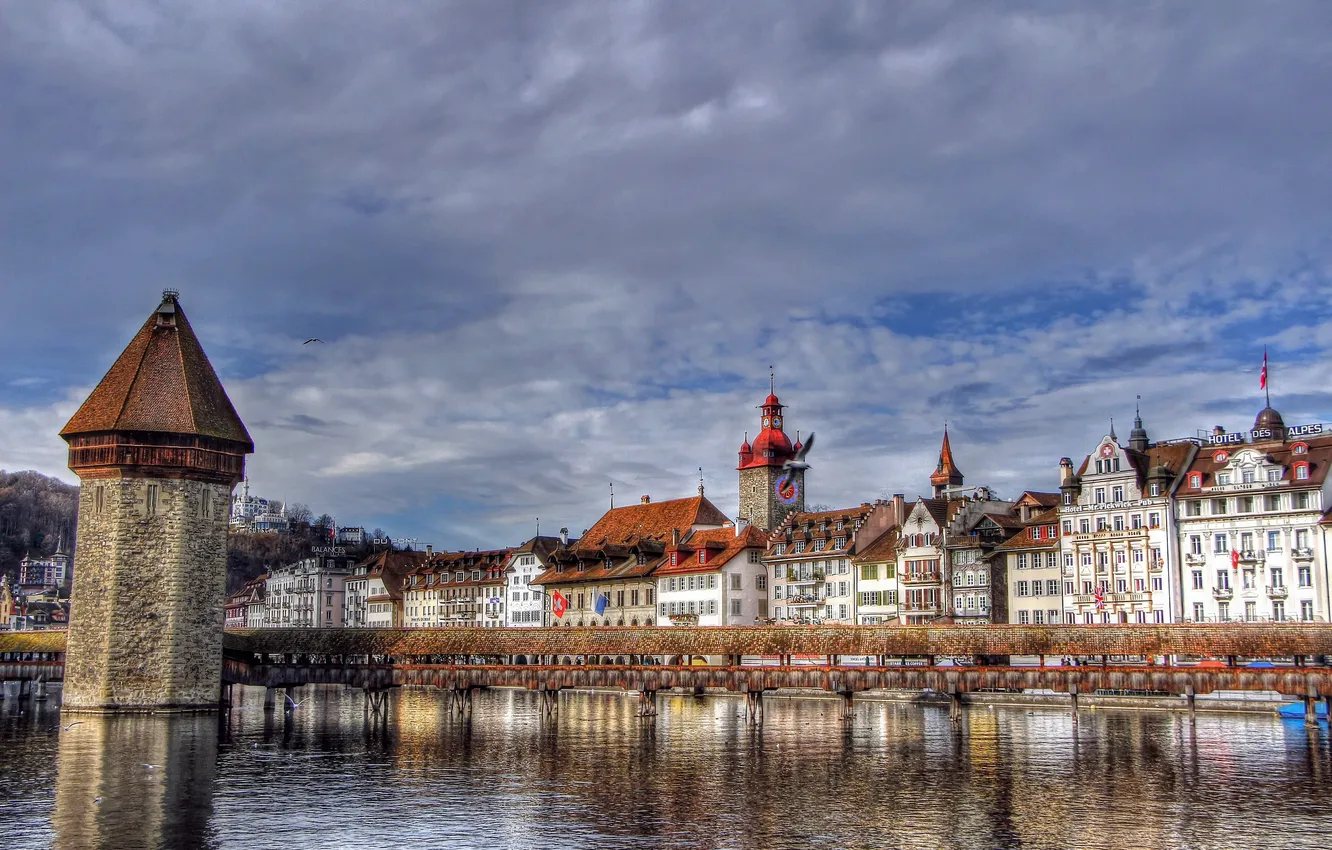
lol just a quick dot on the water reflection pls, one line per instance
(697, 775)
(135, 781)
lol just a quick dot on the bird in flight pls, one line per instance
(150, 766)
(70, 726)
(312, 339)
(293, 704)
(796, 463)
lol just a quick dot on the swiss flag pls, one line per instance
(558, 604)
(1234, 559)
(1262, 376)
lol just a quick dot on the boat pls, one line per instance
(1295, 710)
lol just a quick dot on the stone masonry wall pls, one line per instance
(146, 617)
(758, 499)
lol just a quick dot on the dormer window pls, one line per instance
(839, 542)
(675, 559)
(799, 546)
(459, 575)
(609, 563)
(702, 556)
(476, 575)
(1300, 448)
(839, 525)
(1301, 471)
(1195, 480)
(780, 549)
(1221, 456)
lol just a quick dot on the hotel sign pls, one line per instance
(335, 551)
(1258, 434)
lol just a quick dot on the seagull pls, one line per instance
(317, 339)
(70, 726)
(293, 703)
(797, 462)
(150, 766)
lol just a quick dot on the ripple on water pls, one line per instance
(897, 775)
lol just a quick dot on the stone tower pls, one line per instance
(946, 474)
(157, 448)
(765, 496)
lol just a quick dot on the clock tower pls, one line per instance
(766, 494)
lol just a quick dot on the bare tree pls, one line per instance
(299, 513)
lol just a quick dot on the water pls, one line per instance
(695, 777)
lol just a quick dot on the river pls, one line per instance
(696, 776)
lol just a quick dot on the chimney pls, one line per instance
(430, 550)
(564, 536)
(1217, 430)
(675, 535)
(740, 524)
(899, 508)
(1065, 470)
(645, 500)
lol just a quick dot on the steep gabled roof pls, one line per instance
(161, 382)
(884, 548)
(721, 544)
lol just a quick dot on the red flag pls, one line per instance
(1262, 376)
(1234, 559)
(558, 603)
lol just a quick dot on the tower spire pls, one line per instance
(772, 378)
(700, 481)
(1112, 430)
(1138, 436)
(946, 474)
(612, 494)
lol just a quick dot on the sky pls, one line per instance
(553, 247)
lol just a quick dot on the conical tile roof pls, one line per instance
(161, 382)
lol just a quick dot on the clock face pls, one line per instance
(787, 489)
(776, 421)
(766, 422)
(1107, 450)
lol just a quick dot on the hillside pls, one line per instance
(35, 510)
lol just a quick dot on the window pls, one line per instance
(1022, 588)
(1135, 521)
(1250, 611)
(1301, 472)
(1302, 501)
(1276, 577)
(1299, 448)
(1084, 525)
(150, 500)
(1067, 526)
(1246, 476)
(1086, 587)
(1154, 489)
(1195, 544)
(735, 607)
(1051, 559)
(1306, 610)
(737, 581)
(1100, 523)
(1223, 611)
(1220, 544)
(1199, 612)
(1246, 504)
(799, 546)
(1024, 617)
(839, 542)
(1223, 478)
(1222, 580)
(1195, 480)
(1197, 580)
(1246, 542)
(1022, 560)
(1038, 617)
(1193, 508)
(761, 582)
(1068, 559)
(1068, 588)
(1121, 585)
(1306, 576)
(1274, 541)
(1302, 538)
(1218, 507)
(818, 546)
(754, 556)
(1117, 493)
(1272, 502)
(1274, 474)
(1100, 495)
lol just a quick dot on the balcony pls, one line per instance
(1278, 592)
(1302, 553)
(1195, 559)
(1251, 556)
(921, 607)
(971, 612)
(1109, 534)
(1222, 593)
(801, 599)
(920, 578)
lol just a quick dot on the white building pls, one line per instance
(373, 589)
(352, 535)
(810, 556)
(524, 607)
(307, 594)
(1118, 540)
(714, 577)
(456, 589)
(1248, 512)
(876, 584)
(1031, 565)
(38, 573)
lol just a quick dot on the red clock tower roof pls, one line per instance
(771, 447)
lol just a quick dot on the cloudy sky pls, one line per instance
(556, 245)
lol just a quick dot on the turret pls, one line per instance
(946, 474)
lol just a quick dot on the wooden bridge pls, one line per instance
(844, 660)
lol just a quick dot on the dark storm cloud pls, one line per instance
(554, 243)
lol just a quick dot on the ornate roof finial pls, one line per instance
(1112, 430)
(700, 481)
(612, 494)
(772, 380)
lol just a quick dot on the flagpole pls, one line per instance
(1267, 390)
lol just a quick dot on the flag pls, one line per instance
(1262, 376)
(1234, 559)
(600, 605)
(558, 603)
(1099, 596)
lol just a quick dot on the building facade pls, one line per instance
(308, 594)
(1248, 511)
(875, 571)
(810, 558)
(456, 589)
(525, 606)
(1117, 530)
(714, 577)
(38, 573)
(1031, 560)
(606, 578)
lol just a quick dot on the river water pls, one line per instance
(696, 776)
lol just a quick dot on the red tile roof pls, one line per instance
(161, 382)
(651, 520)
(720, 545)
(884, 548)
(1024, 540)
